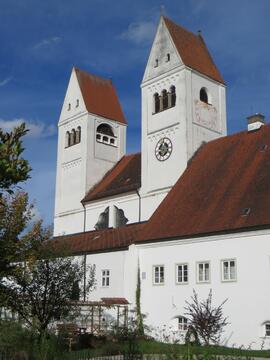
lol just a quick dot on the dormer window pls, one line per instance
(204, 96)
(105, 135)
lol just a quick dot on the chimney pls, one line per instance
(255, 122)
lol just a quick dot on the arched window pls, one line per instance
(173, 95)
(105, 134)
(78, 135)
(204, 95)
(67, 139)
(164, 100)
(72, 137)
(156, 103)
(105, 129)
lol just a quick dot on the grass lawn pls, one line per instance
(153, 347)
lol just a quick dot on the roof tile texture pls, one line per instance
(100, 96)
(227, 176)
(193, 51)
(125, 176)
(99, 241)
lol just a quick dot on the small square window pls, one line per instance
(203, 272)
(105, 278)
(158, 274)
(182, 323)
(182, 273)
(228, 270)
(267, 329)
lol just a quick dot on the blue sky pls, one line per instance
(40, 41)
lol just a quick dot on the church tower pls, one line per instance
(91, 139)
(183, 106)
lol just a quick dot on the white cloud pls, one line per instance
(36, 129)
(140, 32)
(5, 81)
(47, 42)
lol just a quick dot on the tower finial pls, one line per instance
(162, 10)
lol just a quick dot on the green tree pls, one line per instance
(13, 167)
(14, 209)
(42, 289)
(15, 213)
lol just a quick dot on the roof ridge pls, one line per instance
(92, 74)
(239, 133)
(179, 26)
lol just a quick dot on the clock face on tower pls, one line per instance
(163, 149)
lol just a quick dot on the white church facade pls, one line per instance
(190, 211)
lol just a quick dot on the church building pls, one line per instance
(189, 212)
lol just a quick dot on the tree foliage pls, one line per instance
(13, 167)
(205, 319)
(42, 288)
(15, 213)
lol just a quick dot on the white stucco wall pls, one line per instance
(123, 274)
(247, 306)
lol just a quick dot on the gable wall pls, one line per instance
(248, 297)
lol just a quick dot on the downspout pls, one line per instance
(139, 196)
(84, 256)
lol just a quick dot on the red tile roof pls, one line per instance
(114, 301)
(125, 176)
(99, 241)
(227, 176)
(193, 51)
(100, 96)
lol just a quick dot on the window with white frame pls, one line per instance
(182, 273)
(105, 279)
(203, 272)
(228, 269)
(158, 274)
(267, 329)
(182, 323)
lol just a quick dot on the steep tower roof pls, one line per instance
(193, 50)
(225, 188)
(100, 96)
(125, 176)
